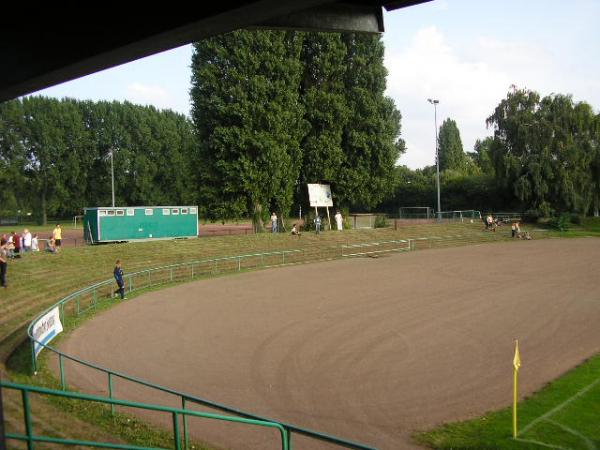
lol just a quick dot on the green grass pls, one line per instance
(565, 414)
(590, 226)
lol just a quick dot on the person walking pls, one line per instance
(318, 224)
(3, 262)
(118, 274)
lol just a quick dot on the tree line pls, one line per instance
(271, 111)
(55, 156)
(543, 160)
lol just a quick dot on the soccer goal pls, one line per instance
(77, 220)
(416, 212)
(460, 216)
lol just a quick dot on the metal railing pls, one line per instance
(92, 296)
(176, 413)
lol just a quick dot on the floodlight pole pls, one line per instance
(112, 175)
(437, 158)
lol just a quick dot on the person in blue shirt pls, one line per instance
(118, 273)
(318, 224)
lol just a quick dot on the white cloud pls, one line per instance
(150, 95)
(469, 82)
(468, 91)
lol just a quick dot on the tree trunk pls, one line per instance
(257, 221)
(43, 205)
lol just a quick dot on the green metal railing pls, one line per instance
(90, 297)
(178, 440)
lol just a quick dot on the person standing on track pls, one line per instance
(118, 274)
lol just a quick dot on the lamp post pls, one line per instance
(112, 175)
(437, 158)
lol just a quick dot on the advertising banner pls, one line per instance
(320, 195)
(46, 329)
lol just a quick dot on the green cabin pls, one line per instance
(137, 223)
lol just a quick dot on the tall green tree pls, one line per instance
(323, 95)
(545, 148)
(482, 155)
(370, 139)
(451, 153)
(249, 120)
(595, 168)
(13, 184)
(52, 135)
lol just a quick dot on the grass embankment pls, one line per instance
(589, 226)
(37, 281)
(563, 415)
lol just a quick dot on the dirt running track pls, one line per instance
(366, 349)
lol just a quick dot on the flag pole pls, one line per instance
(516, 365)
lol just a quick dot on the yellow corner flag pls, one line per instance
(516, 365)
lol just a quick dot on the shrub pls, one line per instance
(381, 222)
(560, 223)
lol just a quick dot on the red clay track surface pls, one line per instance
(366, 349)
(74, 238)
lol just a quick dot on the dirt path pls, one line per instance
(366, 349)
(74, 238)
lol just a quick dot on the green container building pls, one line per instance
(139, 223)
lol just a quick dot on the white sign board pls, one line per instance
(320, 195)
(46, 329)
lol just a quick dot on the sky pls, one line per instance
(464, 53)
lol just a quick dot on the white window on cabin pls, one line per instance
(149, 211)
(193, 211)
(130, 212)
(110, 212)
(184, 210)
(166, 212)
(175, 211)
(120, 212)
(101, 212)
